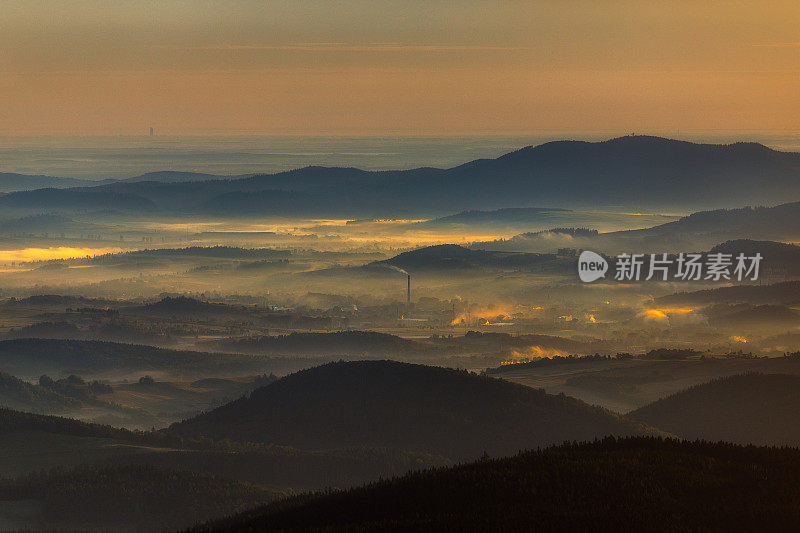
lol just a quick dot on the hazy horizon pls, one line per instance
(381, 68)
(119, 157)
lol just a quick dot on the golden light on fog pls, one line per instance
(481, 312)
(664, 313)
(48, 254)
(532, 353)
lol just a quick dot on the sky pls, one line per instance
(237, 67)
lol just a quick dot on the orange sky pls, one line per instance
(371, 67)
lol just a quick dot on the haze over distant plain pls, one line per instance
(380, 68)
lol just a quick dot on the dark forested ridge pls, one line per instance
(18, 421)
(350, 342)
(787, 292)
(283, 467)
(49, 395)
(11, 181)
(497, 216)
(635, 170)
(745, 409)
(632, 484)
(455, 257)
(411, 407)
(51, 356)
(744, 229)
(35, 442)
(130, 497)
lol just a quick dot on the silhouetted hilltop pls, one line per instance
(753, 316)
(787, 292)
(18, 421)
(746, 409)
(509, 215)
(43, 223)
(76, 199)
(633, 484)
(455, 257)
(34, 357)
(18, 394)
(173, 176)
(336, 343)
(633, 171)
(38, 442)
(183, 304)
(56, 300)
(222, 252)
(11, 182)
(405, 406)
(746, 229)
(741, 224)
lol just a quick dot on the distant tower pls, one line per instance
(408, 296)
(151, 131)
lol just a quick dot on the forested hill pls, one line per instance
(744, 226)
(786, 292)
(412, 407)
(123, 498)
(18, 421)
(34, 357)
(635, 484)
(745, 409)
(636, 171)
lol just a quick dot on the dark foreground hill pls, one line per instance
(634, 484)
(34, 443)
(745, 409)
(122, 498)
(411, 407)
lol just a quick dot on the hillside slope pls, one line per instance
(412, 407)
(34, 357)
(636, 171)
(120, 498)
(746, 409)
(635, 484)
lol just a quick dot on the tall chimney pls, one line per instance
(408, 299)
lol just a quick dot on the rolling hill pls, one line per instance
(18, 394)
(33, 443)
(787, 292)
(12, 182)
(511, 215)
(742, 225)
(746, 230)
(452, 257)
(746, 409)
(73, 199)
(34, 357)
(633, 484)
(118, 498)
(411, 407)
(636, 172)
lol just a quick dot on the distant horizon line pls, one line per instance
(613, 133)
